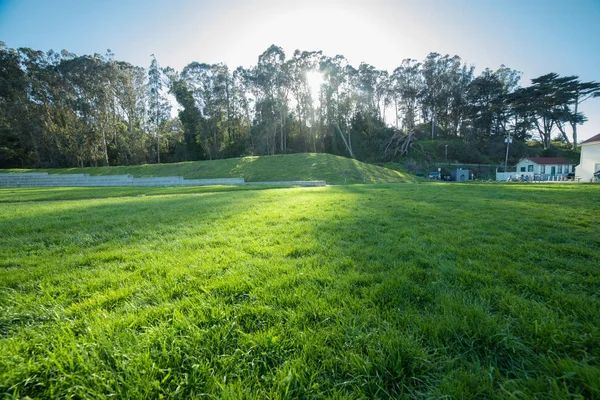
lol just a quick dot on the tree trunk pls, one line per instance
(38, 160)
(214, 141)
(563, 133)
(432, 121)
(104, 147)
(396, 108)
(574, 124)
(348, 145)
(281, 134)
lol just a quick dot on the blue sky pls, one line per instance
(532, 36)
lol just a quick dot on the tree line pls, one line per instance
(60, 109)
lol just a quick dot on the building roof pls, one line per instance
(549, 160)
(592, 139)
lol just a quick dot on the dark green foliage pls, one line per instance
(191, 119)
(59, 109)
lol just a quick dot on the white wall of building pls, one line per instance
(590, 161)
(527, 167)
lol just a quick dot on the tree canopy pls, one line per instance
(60, 109)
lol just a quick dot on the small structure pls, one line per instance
(460, 175)
(543, 169)
(589, 163)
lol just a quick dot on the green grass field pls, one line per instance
(289, 167)
(359, 291)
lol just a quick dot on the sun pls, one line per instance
(314, 79)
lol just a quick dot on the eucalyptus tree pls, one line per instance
(241, 111)
(135, 117)
(15, 147)
(333, 111)
(407, 88)
(366, 89)
(339, 101)
(270, 78)
(245, 99)
(383, 93)
(36, 103)
(485, 103)
(433, 75)
(491, 104)
(297, 67)
(189, 114)
(371, 97)
(460, 77)
(219, 108)
(17, 142)
(211, 88)
(92, 101)
(159, 106)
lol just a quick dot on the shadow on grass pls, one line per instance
(356, 291)
(451, 284)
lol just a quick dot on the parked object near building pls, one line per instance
(589, 162)
(460, 175)
(535, 169)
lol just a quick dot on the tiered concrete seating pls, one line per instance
(43, 179)
(288, 183)
(37, 179)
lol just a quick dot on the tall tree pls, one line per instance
(408, 87)
(159, 105)
(573, 92)
(548, 102)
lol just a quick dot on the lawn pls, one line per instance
(361, 291)
(288, 167)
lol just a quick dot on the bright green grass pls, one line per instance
(415, 291)
(290, 167)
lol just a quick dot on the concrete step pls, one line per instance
(43, 179)
(216, 181)
(288, 183)
(63, 177)
(9, 174)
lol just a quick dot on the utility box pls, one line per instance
(460, 175)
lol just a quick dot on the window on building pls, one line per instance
(530, 168)
(560, 169)
(566, 169)
(522, 169)
(543, 169)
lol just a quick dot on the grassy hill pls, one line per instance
(330, 168)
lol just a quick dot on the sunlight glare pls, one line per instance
(314, 80)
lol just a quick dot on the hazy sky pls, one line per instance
(532, 36)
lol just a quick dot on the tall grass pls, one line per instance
(415, 291)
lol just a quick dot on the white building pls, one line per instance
(544, 168)
(590, 159)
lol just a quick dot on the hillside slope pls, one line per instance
(290, 167)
